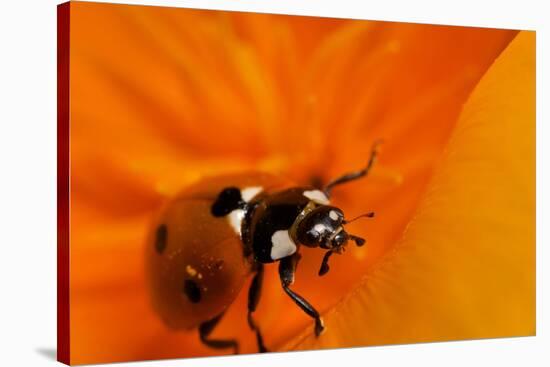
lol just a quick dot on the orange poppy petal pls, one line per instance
(406, 84)
(161, 97)
(465, 267)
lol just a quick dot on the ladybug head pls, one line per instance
(324, 227)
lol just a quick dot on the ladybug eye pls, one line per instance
(340, 239)
(313, 235)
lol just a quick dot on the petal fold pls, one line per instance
(465, 267)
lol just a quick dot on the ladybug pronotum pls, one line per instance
(211, 237)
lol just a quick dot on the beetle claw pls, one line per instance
(319, 327)
(324, 269)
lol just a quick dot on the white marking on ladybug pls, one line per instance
(317, 196)
(282, 245)
(235, 219)
(248, 193)
(320, 228)
(333, 215)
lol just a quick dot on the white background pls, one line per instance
(28, 182)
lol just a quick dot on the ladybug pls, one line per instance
(211, 237)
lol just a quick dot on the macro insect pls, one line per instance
(215, 234)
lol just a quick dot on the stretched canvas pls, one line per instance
(233, 182)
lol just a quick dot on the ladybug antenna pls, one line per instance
(358, 240)
(366, 215)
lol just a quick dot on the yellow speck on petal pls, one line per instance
(394, 46)
(360, 253)
(387, 175)
(161, 188)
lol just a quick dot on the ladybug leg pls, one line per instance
(205, 329)
(287, 269)
(254, 293)
(354, 175)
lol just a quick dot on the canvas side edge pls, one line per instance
(63, 243)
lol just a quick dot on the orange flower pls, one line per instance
(161, 97)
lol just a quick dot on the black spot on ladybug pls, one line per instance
(161, 238)
(228, 200)
(192, 291)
